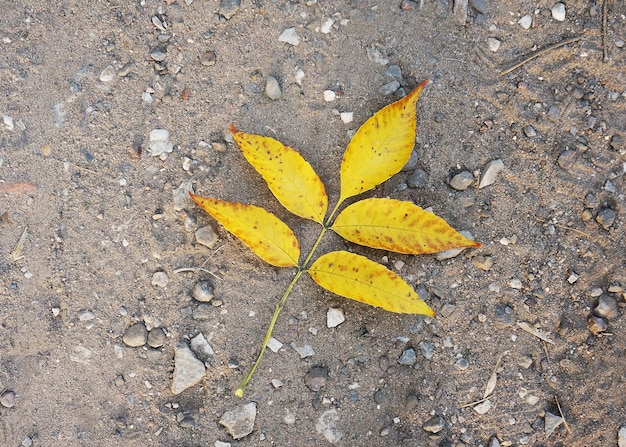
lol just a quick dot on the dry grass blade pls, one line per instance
(561, 413)
(493, 379)
(539, 53)
(534, 331)
(18, 251)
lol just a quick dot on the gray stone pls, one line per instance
(462, 364)
(201, 347)
(7, 398)
(408, 357)
(240, 421)
(389, 88)
(374, 55)
(160, 279)
(203, 292)
(453, 252)
(494, 442)
(621, 436)
(188, 370)
(566, 159)
(394, 71)
(492, 169)
(428, 349)
(334, 317)
(108, 74)
(156, 338)
(530, 131)
(206, 236)
(303, 349)
(181, 195)
(606, 308)
(479, 5)
(289, 36)
(136, 335)
(326, 425)
(202, 312)
(417, 179)
(158, 55)
(316, 378)
(229, 8)
(462, 181)
(526, 21)
(412, 163)
(606, 217)
(272, 88)
(552, 421)
(434, 425)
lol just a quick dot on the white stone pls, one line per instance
(326, 426)
(272, 88)
(221, 444)
(526, 21)
(334, 317)
(289, 36)
(108, 74)
(8, 122)
(276, 383)
(188, 370)
(206, 236)
(493, 44)
(346, 117)
(329, 95)
(274, 344)
(180, 195)
(483, 407)
(160, 279)
(375, 56)
(240, 421)
(558, 12)
(159, 142)
(299, 76)
(327, 26)
(552, 421)
(492, 169)
(621, 436)
(303, 349)
(515, 284)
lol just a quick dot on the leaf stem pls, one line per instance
(279, 307)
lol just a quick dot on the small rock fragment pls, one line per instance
(621, 436)
(526, 21)
(566, 159)
(494, 442)
(552, 421)
(7, 399)
(389, 88)
(303, 349)
(558, 13)
(479, 5)
(434, 425)
(86, 315)
(158, 55)
(156, 338)
(596, 325)
(326, 425)
(229, 8)
(206, 236)
(462, 364)
(483, 407)
(428, 349)
(274, 345)
(136, 335)
(606, 217)
(159, 142)
(453, 252)
(408, 357)
(208, 58)
(289, 36)
(482, 262)
(493, 44)
(417, 179)
(334, 317)
(160, 279)
(346, 117)
(276, 383)
(108, 74)
(492, 169)
(394, 71)
(530, 131)
(376, 56)
(573, 277)
(462, 180)
(606, 308)
(181, 195)
(201, 347)
(240, 421)
(316, 378)
(188, 370)
(272, 88)
(203, 292)
(329, 95)
(326, 26)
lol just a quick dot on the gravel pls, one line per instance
(157, 338)
(188, 370)
(206, 236)
(7, 399)
(526, 21)
(490, 172)
(493, 44)
(434, 425)
(552, 421)
(289, 36)
(606, 217)
(160, 279)
(203, 292)
(462, 180)
(136, 335)
(201, 347)
(304, 350)
(334, 317)
(558, 12)
(272, 88)
(408, 357)
(606, 308)
(108, 74)
(240, 421)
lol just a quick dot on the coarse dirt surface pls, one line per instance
(101, 220)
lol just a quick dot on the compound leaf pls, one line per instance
(356, 277)
(289, 176)
(265, 234)
(398, 226)
(381, 146)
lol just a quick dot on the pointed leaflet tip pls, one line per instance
(289, 176)
(264, 233)
(356, 277)
(381, 146)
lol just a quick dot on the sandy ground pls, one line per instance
(84, 83)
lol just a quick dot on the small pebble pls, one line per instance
(462, 180)
(159, 142)
(490, 172)
(289, 36)
(483, 407)
(374, 55)
(208, 58)
(482, 262)
(203, 292)
(158, 55)
(389, 88)
(515, 283)
(160, 279)
(326, 26)
(408, 357)
(86, 315)
(479, 5)
(434, 425)
(596, 325)
(573, 277)
(272, 88)
(7, 399)
(316, 378)
(188, 370)
(408, 5)
(566, 159)
(530, 131)
(606, 308)
(428, 349)
(461, 364)
(494, 442)
(136, 335)
(526, 21)
(394, 71)
(493, 44)
(619, 43)
(621, 436)
(156, 338)
(552, 421)
(274, 345)
(201, 347)
(558, 13)
(347, 117)
(228, 8)
(108, 74)
(606, 217)
(329, 95)
(334, 317)
(453, 252)
(206, 236)
(412, 163)
(417, 179)
(276, 383)
(240, 421)
(304, 350)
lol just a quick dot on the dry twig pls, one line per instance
(561, 413)
(605, 19)
(539, 53)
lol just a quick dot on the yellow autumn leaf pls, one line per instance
(356, 277)
(265, 234)
(398, 226)
(381, 146)
(290, 177)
